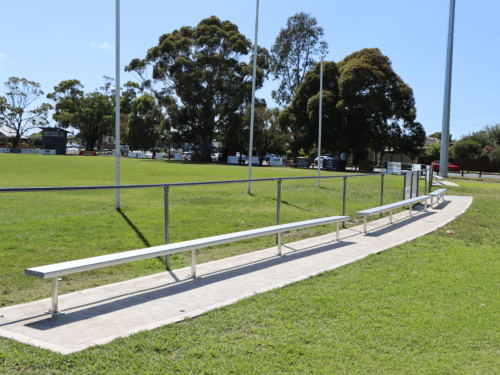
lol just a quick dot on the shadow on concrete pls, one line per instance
(143, 296)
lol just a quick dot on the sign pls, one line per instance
(4, 150)
(27, 151)
(416, 167)
(47, 152)
(177, 156)
(233, 160)
(255, 160)
(276, 162)
(394, 168)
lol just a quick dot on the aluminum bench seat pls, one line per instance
(390, 207)
(438, 194)
(53, 271)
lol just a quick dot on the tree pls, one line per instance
(482, 137)
(144, 123)
(14, 112)
(365, 105)
(268, 136)
(199, 78)
(434, 150)
(93, 114)
(293, 54)
(466, 148)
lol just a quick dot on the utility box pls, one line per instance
(55, 139)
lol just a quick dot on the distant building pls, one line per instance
(55, 139)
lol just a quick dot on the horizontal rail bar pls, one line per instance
(113, 187)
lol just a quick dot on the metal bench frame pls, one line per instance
(438, 194)
(392, 206)
(53, 271)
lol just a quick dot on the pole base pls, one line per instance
(56, 313)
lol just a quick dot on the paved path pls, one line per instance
(99, 315)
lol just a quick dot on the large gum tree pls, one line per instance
(198, 75)
(365, 105)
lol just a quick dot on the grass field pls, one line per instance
(430, 306)
(50, 227)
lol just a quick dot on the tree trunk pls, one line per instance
(16, 140)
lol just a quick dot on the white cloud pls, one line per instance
(493, 93)
(105, 45)
(2, 56)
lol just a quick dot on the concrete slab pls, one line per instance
(99, 315)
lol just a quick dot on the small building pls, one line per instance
(55, 139)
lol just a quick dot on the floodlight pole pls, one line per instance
(253, 96)
(117, 104)
(445, 132)
(320, 115)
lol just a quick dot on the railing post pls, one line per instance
(167, 225)
(278, 212)
(426, 176)
(343, 200)
(193, 263)
(382, 193)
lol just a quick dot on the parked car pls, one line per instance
(268, 157)
(322, 159)
(451, 167)
(216, 156)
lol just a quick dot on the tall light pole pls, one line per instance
(320, 115)
(253, 96)
(445, 132)
(117, 104)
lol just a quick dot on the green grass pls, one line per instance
(430, 306)
(50, 227)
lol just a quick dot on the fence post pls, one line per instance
(278, 210)
(167, 225)
(343, 204)
(479, 173)
(382, 192)
(426, 176)
(404, 186)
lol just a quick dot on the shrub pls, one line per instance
(434, 150)
(494, 155)
(466, 148)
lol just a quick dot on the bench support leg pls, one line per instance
(390, 217)
(279, 244)
(55, 308)
(337, 231)
(364, 224)
(410, 209)
(425, 205)
(193, 264)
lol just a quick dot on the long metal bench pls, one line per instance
(54, 271)
(391, 207)
(438, 194)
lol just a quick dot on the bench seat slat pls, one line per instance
(391, 206)
(66, 268)
(437, 192)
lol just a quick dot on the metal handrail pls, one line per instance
(109, 187)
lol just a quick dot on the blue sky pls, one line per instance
(52, 40)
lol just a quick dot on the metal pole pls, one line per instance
(426, 176)
(382, 193)
(117, 104)
(404, 187)
(253, 96)
(320, 115)
(167, 224)
(445, 132)
(278, 210)
(55, 307)
(343, 200)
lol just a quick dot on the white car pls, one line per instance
(322, 159)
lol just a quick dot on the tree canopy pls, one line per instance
(466, 148)
(365, 105)
(14, 108)
(144, 123)
(293, 54)
(198, 76)
(93, 114)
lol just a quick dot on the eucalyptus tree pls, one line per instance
(145, 122)
(365, 105)
(198, 74)
(14, 107)
(293, 54)
(92, 113)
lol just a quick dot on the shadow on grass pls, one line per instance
(139, 233)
